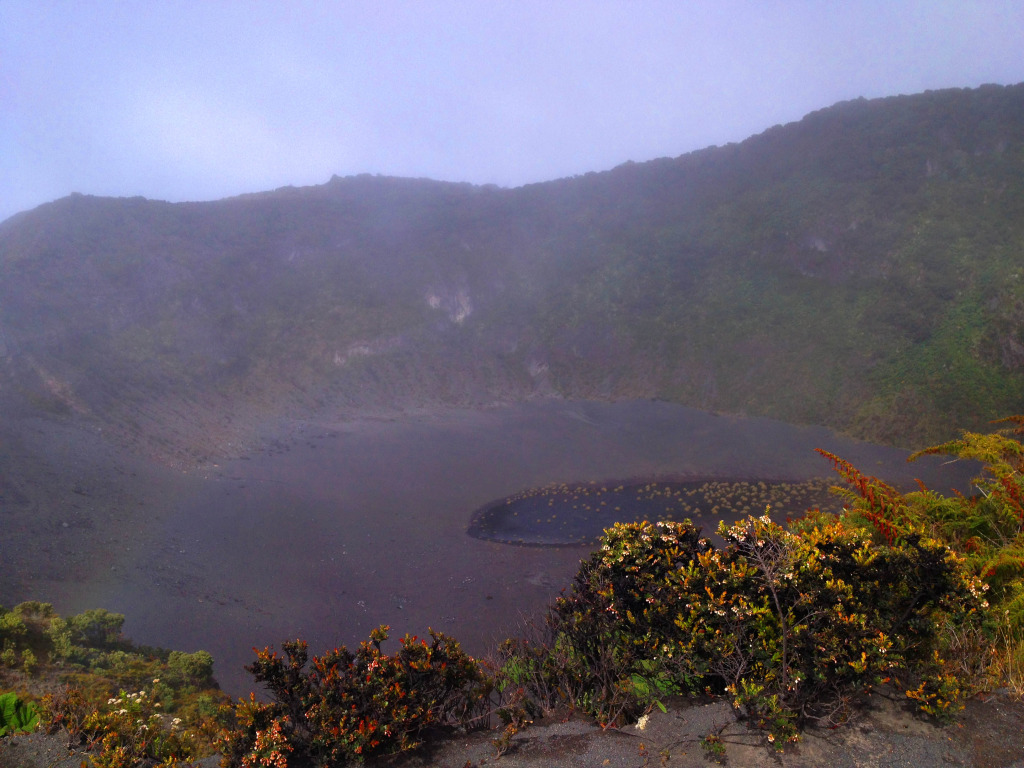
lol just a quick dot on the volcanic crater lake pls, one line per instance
(564, 514)
(339, 526)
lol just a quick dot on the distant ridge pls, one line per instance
(859, 269)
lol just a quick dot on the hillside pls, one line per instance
(858, 269)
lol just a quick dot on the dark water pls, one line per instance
(355, 524)
(576, 514)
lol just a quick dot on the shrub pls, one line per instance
(611, 632)
(126, 730)
(986, 530)
(196, 668)
(29, 662)
(62, 647)
(33, 611)
(96, 628)
(347, 706)
(804, 621)
(12, 626)
(260, 739)
(83, 683)
(791, 624)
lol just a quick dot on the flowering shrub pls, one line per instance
(259, 739)
(611, 632)
(129, 729)
(348, 706)
(791, 624)
(798, 622)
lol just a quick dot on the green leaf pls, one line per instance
(17, 716)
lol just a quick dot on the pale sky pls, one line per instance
(202, 99)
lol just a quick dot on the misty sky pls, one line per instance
(202, 99)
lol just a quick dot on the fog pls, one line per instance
(185, 101)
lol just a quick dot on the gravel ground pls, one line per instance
(884, 733)
(989, 734)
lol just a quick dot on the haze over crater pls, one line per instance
(180, 101)
(858, 269)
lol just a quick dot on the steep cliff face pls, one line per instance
(859, 269)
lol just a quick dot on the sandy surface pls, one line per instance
(882, 734)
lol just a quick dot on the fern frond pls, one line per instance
(1001, 454)
(881, 505)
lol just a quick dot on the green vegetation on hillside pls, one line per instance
(858, 269)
